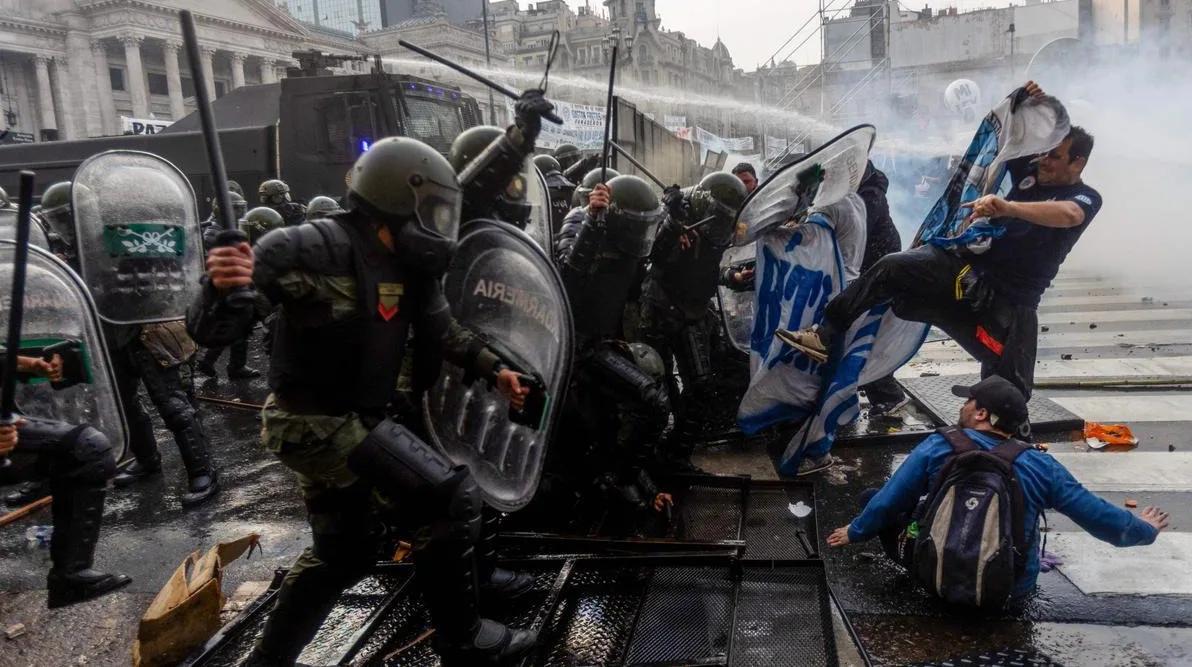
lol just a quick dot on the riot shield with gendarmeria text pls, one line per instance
(503, 287)
(60, 319)
(139, 244)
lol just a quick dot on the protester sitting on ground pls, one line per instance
(903, 522)
(987, 302)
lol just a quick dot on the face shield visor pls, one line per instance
(633, 232)
(715, 217)
(429, 239)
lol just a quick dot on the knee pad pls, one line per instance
(90, 455)
(177, 412)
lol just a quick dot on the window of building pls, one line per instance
(117, 76)
(1165, 4)
(188, 87)
(220, 88)
(158, 84)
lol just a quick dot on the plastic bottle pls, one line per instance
(38, 537)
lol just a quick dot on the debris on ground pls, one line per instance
(13, 631)
(1066, 357)
(1098, 436)
(929, 374)
(1131, 503)
(1171, 448)
(1045, 329)
(1093, 325)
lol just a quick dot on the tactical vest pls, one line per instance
(335, 367)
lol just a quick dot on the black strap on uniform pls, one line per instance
(959, 440)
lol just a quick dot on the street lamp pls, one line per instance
(615, 38)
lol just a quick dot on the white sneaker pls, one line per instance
(807, 341)
(813, 464)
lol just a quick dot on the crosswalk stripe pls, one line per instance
(1102, 472)
(1130, 407)
(1162, 568)
(1058, 368)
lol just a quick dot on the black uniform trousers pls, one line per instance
(172, 395)
(925, 285)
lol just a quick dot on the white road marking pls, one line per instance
(1162, 568)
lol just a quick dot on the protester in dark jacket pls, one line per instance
(885, 395)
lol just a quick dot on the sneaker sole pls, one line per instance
(804, 473)
(813, 353)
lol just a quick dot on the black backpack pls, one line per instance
(970, 545)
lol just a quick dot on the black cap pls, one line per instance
(1002, 399)
(744, 167)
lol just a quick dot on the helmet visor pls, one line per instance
(633, 232)
(438, 208)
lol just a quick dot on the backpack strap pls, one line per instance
(1007, 451)
(960, 441)
(1010, 449)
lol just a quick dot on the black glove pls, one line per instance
(672, 197)
(528, 112)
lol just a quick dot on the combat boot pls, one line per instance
(27, 493)
(238, 368)
(202, 480)
(136, 472)
(497, 583)
(446, 571)
(77, 516)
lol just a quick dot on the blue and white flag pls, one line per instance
(787, 386)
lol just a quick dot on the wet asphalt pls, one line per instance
(147, 535)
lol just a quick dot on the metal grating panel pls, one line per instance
(935, 394)
(685, 618)
(594, 618)
(709, 514)
(770, 530)
(783, 619)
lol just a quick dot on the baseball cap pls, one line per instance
(1003, 400)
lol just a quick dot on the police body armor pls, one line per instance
(311, 364)
(60, 318)
(822, 177)
(139, 241)
(503, 287)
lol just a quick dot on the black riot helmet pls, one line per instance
(470, 144)
(410, 187)
(547, 165)
(591, 179)
(634, 213)
(259, 221)
(58, 212)
(718, 196)
(567, 155)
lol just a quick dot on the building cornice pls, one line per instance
(297, 32)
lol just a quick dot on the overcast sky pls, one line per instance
(754, 29)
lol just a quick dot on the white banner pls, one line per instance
(143, 126)
(711, 142)
(775, 145)
(583, 126)
(674, 123)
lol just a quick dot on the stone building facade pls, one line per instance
(71, 69)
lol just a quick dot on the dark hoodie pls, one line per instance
(881, 236)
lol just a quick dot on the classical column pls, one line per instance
(237, 70)
(134, 78)
(103, 81)
(209, 70)
(45, 99)
(65, 105)
(268, 72)
(174, 79)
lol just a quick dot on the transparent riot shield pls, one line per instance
(540, 226)
(821, 177)
(60, 319)
(503, 286)
(139, 244)
(736, 308)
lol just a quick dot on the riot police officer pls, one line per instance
(619, 396)
(354, 283)
(560, 189)
(501, 197)
(275, 194)
(78, 461)
(684, 273)
(321, 206)
(56, 214)
(212, 225)
(158, 356)
(579, 200)
(567, 155)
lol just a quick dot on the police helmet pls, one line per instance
(547, 164)
(634, 213)
(718, 196)
(320, 206)
(567, 155)
(471, 143)
(260, 220)
(591, 179)
(274, 192)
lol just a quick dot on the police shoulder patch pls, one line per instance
(1026, 183)
(1083, 199)
(388, 298)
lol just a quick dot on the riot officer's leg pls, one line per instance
(164, 386)
(420, 478)
(659, 330)
(238, 368)
(343, 549)
(141, 439)
(79, 462)
(693, 345)
(206, 364)
(497, 581)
